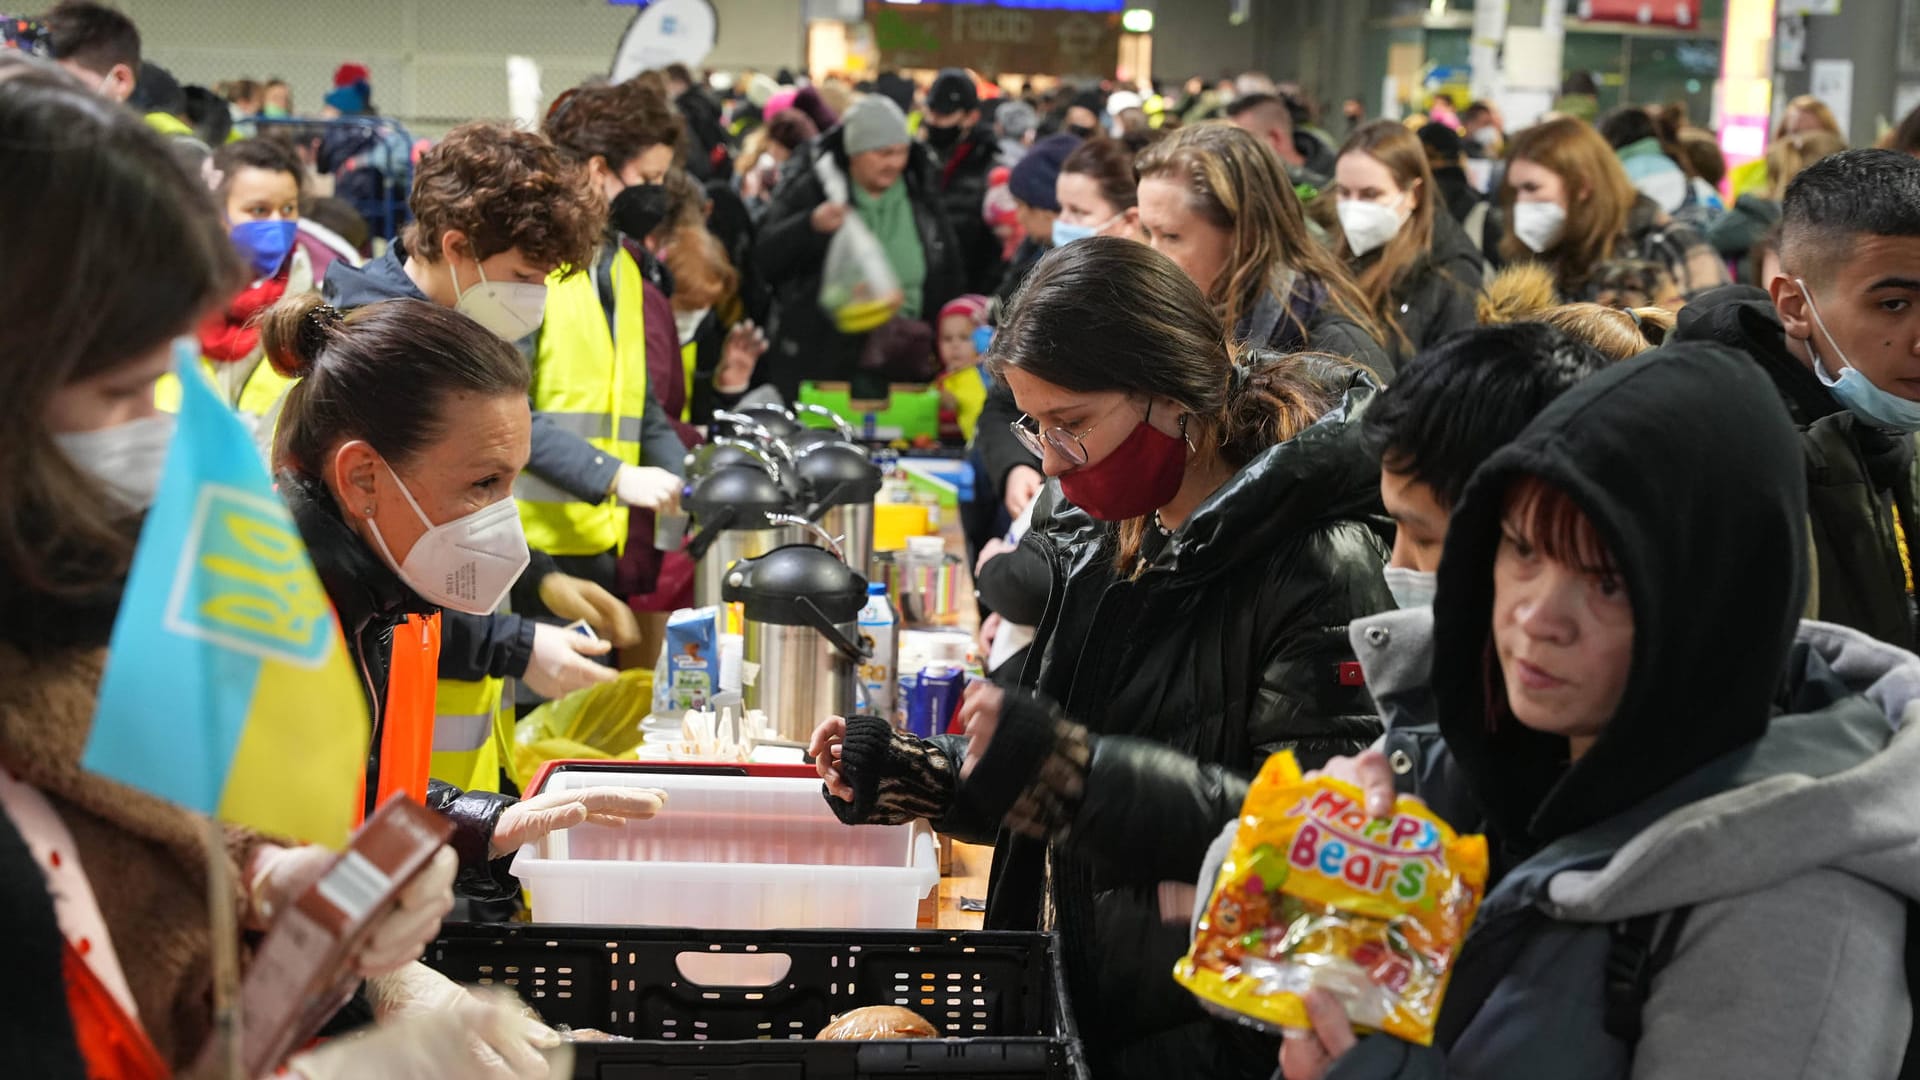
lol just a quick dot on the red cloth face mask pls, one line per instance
(1140, 476)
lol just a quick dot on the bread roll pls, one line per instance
(879, 1022)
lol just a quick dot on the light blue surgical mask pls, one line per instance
(1411, 588)
(1852, 388)
(1064, 233)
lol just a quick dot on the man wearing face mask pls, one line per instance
(1839, 333)
(963, 154)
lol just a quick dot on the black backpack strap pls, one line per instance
(1640, 947)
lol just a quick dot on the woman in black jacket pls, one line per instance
(1214, 527)
(1216, 201)
(1415, 266)
(884, 173)
(405, 501)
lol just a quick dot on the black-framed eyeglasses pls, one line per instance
(1064, 442)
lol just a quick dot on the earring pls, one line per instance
(368, 512)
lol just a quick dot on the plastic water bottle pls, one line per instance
(878, 675)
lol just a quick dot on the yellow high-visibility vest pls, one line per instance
(261, 392)
(466, 733)
(591, 381)
(689, 357)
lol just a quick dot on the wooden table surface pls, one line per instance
(972, 863)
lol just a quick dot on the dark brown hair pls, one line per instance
(1401, 151)
(791, 128)
(1555, 526)
(95, 36)
(613, 123)
(505, 189)
(381, 375)
(1139, 325)
(1236, 182)
(1576, 153)
(1109, 164)
(111, 249)
(268, 154)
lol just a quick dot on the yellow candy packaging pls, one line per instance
(1314, 893)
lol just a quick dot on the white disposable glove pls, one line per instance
(482, 1037)
(530, 819)
(648, 488)
(400, 936)
(559, 664)
(412, 990)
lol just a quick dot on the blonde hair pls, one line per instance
(1792, 153)
(1236, 182)
(1813, 107)
(1524, 294)
(1600, 197)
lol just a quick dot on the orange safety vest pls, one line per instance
(112, 1044)
(406, 731)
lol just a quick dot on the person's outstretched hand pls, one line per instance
(575, 599)
(562, 662)
(530, 819)
(482, 1036)
(824, 749)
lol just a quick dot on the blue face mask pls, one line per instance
(1853, 389)
(1064, 234)
(264, 244)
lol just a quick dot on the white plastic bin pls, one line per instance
(729, 853)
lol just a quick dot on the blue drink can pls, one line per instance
(942, 685)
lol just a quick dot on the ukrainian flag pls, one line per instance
(228, 687)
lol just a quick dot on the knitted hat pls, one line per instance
(761, 88)
(1441, 139)
(780, 102)
(1033, 179)
(953, 91)
(874, 123)
(972, 306)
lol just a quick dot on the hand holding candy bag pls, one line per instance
(1315, 893)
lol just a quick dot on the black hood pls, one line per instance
(1691, 472)
(1742, 318)
(1323, 474)
(385, 278)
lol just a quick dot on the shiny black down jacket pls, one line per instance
(1231, 646)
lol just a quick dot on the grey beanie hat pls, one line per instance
(874, 123)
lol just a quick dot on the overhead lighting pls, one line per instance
(1137, 21)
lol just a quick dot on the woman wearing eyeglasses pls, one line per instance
(1209, 527)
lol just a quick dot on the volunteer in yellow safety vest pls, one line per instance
(496, 211)
(589, 357)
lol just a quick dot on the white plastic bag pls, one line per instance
(858, 287)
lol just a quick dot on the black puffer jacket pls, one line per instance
(370, 601)
(1230, 646)
(1863, 488)
(791, 255)
(962, 174)
(1435, 298)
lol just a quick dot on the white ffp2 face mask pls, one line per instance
(508, 309)
(467, 564)
(126, 459)
(1369, 225)
(1539, 225)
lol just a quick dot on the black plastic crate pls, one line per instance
(745, 1004)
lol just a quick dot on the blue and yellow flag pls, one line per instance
(228, 687)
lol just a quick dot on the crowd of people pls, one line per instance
(1557, 476)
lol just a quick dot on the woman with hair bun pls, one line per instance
(397, 451)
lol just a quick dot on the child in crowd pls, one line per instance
(963, 377)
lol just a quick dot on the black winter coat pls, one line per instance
(371, 601)
(791, 255)
(962, 174)
(1230, 646)
(1272, 326)
(1863, 488)
(1436, 296)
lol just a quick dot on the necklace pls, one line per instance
(1157, 524)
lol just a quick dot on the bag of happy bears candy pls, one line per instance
(1314, 893)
